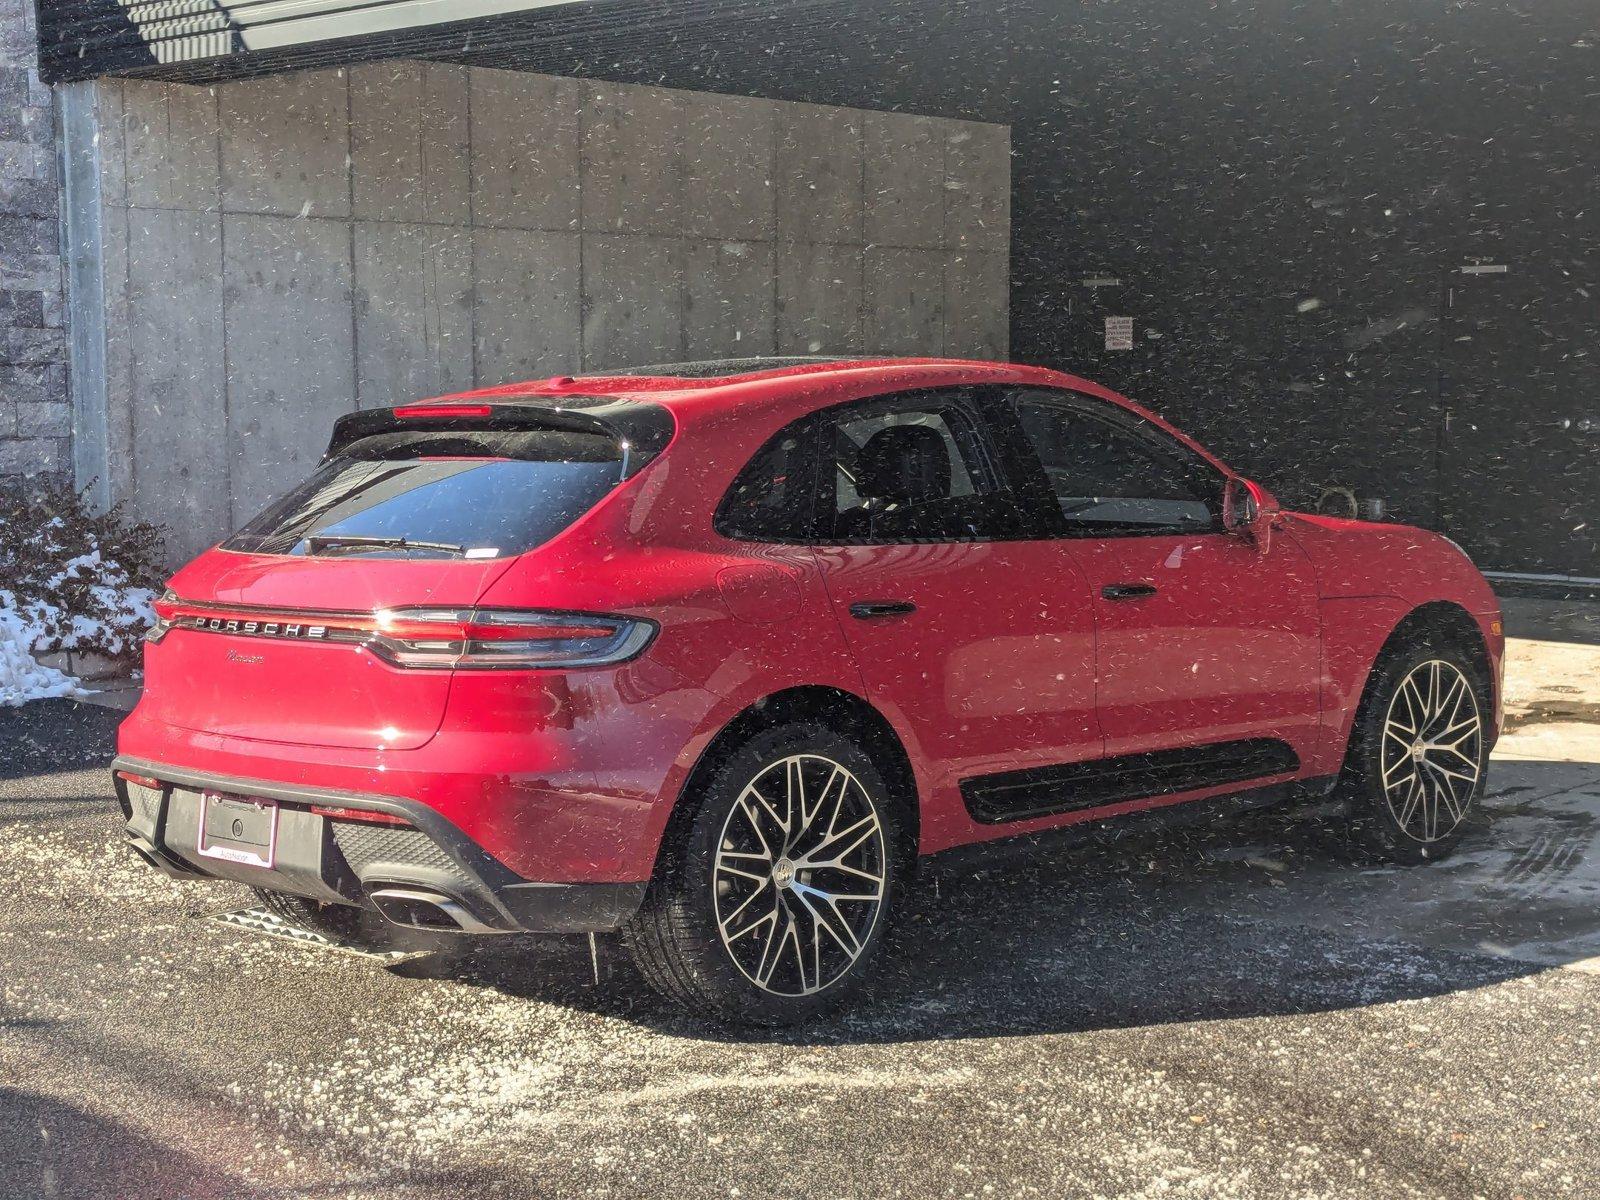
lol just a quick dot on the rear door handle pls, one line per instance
(866, 610)
(1128, 591)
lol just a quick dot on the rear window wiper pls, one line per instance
(334, 540)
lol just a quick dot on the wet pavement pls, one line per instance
(1243, 1011)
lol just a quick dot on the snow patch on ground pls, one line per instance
(22, 677)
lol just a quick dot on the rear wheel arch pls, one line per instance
(849, 715)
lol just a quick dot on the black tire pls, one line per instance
(340, 922)
(676, 940)
(1391, 820)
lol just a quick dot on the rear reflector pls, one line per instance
(441, 411)
(338, 812)
(141, 780)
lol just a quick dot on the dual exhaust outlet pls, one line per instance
(422, 908)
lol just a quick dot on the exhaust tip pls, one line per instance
(148, 858)
(160, 859)
(415, 908)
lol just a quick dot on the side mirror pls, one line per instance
(1249, 512)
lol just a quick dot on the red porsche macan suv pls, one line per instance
(711, 654)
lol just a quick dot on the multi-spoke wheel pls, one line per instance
(799, 875)
(1432, 746)
(1417, 755)
(774, 903)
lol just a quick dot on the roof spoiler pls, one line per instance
(642, 429)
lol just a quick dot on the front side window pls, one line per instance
(411, 494)
(1111, 479)
(917, 468)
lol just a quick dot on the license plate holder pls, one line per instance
(238, 829)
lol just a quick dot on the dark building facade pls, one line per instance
(1356, 239)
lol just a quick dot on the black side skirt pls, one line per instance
(1072, 787)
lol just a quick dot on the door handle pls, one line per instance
(866, 610)
(1128, 591)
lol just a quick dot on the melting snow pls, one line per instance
(22, 678)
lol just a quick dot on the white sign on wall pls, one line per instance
(1119, 333)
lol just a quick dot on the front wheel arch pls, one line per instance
(1441, 630)
(1440, 624)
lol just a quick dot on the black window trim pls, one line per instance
(1098, 409)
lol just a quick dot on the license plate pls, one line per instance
(238, 829)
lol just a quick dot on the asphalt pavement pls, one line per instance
(1243, 1011)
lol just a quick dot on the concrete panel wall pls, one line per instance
(281, 250)
(175, 338)
(290, 349)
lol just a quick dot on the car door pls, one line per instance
(1208, 644)
(970, 631)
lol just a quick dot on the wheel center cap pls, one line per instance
(783, 872)
(1419, 750)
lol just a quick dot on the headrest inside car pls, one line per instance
(904, 464)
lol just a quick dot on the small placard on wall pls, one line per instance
(1119, 333)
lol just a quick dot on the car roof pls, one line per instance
(709, 384)
(662, 382)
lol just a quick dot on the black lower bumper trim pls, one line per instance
(573, 907)
(313, 862)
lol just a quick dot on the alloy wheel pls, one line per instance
(1432, 750)
(800, 875)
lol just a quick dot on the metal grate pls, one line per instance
(263, 921)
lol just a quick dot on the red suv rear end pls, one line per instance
(364, 697)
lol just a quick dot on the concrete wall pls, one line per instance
(35, 419)
(277, 251)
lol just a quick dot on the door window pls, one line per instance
(918, 469)
(1112, 479)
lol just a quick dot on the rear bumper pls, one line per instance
(359, 863)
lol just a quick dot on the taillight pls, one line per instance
(166, 609)
(431, 638)
(479, 638)
(435, 412)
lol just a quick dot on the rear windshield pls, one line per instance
(440, 494)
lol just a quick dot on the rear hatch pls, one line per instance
(262, 638)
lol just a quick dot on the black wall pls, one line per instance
(1289, 192)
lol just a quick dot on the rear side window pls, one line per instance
(440, 494)
(774, 497)
(918, 467)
